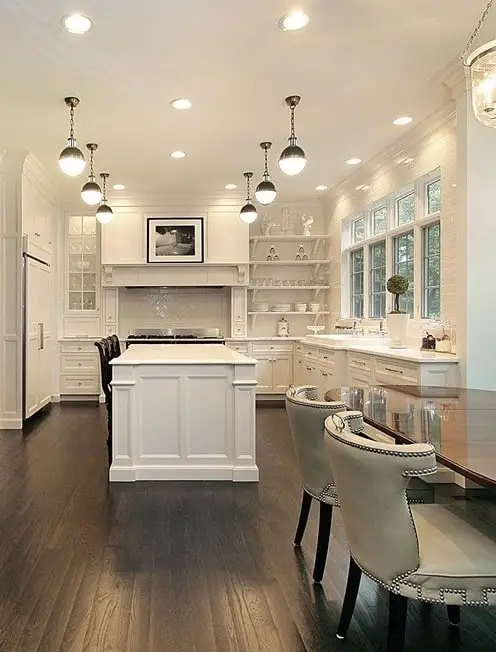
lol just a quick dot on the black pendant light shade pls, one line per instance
(266, 191)
(91, 193)
(292, 159)
(71, 159)
(248, 213)
(104, 213)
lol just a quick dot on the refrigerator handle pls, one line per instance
(41, 335)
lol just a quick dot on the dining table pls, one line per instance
(460, 423)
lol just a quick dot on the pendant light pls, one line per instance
(266, 191)
(91, 192)
(248, 213)
(104, 213)
(292, 159)
(482, 65)
(71, 159)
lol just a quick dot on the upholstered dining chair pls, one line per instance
(422, 552)
(306, 416)
(105, 355)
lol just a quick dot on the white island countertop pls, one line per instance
(163, 354)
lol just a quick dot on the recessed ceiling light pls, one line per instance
(231, 186)
(402, 120)
(321, 188)
(119, 186)
(181, 103)
(296, 19)
(77, 23)
(177, 154)
(354, 161)
(408, 160)
(453, 185)
(366, 187)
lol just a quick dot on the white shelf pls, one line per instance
(286, 263)
(274, 312)
(289, 287)
(287, 238)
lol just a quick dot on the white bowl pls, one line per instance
(314, 307)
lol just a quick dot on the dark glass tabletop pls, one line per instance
(459, 423)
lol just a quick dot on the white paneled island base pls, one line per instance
(183, 412)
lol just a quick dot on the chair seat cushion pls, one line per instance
(457, 560)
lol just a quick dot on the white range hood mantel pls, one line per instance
(175, 274)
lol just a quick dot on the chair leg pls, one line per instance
(397, 622)
(350, 596)
(306, 502)
(325, 521)
(454, 614)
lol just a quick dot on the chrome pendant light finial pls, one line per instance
(266, 191)
(91, 193)
(248, 213)
(292, 159)
(71, 159)
(104, 213)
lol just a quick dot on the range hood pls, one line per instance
(176, 275)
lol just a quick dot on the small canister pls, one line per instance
(282, 328)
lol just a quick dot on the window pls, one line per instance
(379, 217)
(433, 197)
(405, 207)
(378, 280)
(431, 271)
(404, 265)
(358, 230)
(356, 262)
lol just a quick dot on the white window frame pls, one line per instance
(420, 220)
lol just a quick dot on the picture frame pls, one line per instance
(175, 240)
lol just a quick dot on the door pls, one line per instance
(264, 373)
(38, 367)
(282, 373)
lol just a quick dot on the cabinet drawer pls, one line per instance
(298, 347)
(240, 348)
(363, 362)
(327, 355)
(272, 347)
(78, 347)
(79, 385)
(360, 378)
(80, 364)
(392, 371)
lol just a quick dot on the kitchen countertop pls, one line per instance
(264, 339)
(410, 354)
(164, 354)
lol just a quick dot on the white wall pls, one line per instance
(174, 308)
(432, 145)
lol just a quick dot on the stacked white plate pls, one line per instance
(300, 307)
(281, 307)
(260, 307)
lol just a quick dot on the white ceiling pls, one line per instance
(357, 65)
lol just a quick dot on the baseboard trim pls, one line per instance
(10, 424)
(221, 473)
(78, 398)
(55, 398)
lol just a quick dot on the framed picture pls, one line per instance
(175, 240)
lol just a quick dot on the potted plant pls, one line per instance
(397, 320)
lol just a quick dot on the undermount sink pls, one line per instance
(348, 340)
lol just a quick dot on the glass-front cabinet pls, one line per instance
(82, 263)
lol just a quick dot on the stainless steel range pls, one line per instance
(175, 336)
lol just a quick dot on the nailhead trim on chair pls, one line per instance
(385, 452)
(409, 474)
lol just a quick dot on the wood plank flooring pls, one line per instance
(179, 567)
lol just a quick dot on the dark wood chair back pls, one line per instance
(115, 345)
(105, 354)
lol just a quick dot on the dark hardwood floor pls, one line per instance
(180, 567)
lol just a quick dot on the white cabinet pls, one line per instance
(79, 369)
(238, 312)
(38, 214)
(82, 263)
(282, 372)
(299, 372)
(274, 370)
(264, 373)
(123, 239)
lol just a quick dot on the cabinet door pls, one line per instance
(299, 371)
(264, 374)
(282, 373)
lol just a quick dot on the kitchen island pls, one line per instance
(183, 412)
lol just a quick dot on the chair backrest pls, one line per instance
(306, 416)
(105, 368)
(371, 481)
(115, 345)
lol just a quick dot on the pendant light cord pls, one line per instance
(247, 188)
(266, 170)
(477, 29)
(71, 122)
(292, 138)
(104, 199)
(92, 175)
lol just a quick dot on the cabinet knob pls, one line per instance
(109, 318)
(80, 348)
(271, 347)
(80, 383)
(79, 364)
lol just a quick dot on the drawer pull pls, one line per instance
(80, 364)
(394, 371)
(299, 361)
(309, 368)
(325, 357)
(324, 374)
(80, 348)
(80, 383)
(359, 362)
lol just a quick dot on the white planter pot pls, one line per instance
(397, 325)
